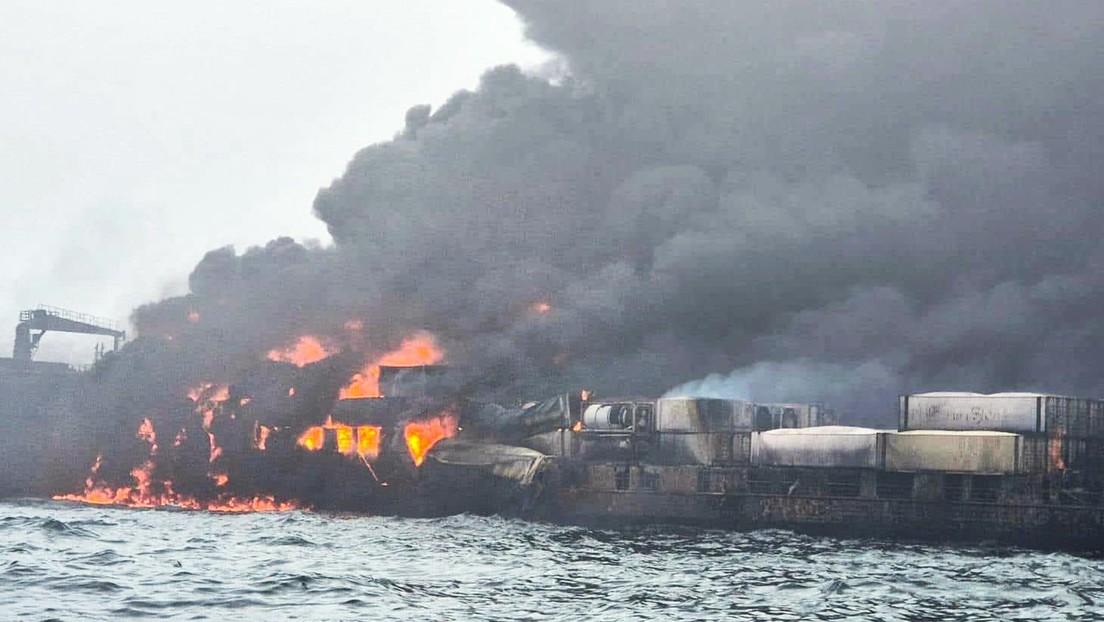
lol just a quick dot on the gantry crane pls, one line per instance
(46, 318)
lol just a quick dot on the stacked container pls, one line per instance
(1058, 433)
(800, 415)
(703, 431)
(826, 446)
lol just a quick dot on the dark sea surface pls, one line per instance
(71, 562)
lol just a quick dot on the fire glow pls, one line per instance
(148, 493)
(421, 436)
(361, 440)
(420, 349)
(308, 349)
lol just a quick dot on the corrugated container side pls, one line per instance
(818, 449)
(1096, 418)
(1055, 415)
(961, 452)
(679, 414)
(1069, 416)
(741, 448)
(1033, 455)
(1005, 413)
(797, 415)
(1094, 457)
(1079, 417)
(961, 412)
(699, 448)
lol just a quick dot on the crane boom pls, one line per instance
(46, 318)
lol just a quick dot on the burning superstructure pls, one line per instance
(304, 425)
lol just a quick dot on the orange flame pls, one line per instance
(541, 307)
(312, 439)
(143, 495)
(306, 350)
(420, 349)
(146, 433)
(360, 440)
(421, 436)
(344, 438)
(193, 316)
(368, 440)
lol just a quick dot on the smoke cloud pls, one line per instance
(839, 201)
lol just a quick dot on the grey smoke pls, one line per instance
(840, 201)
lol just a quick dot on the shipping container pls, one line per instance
(823, 446)
(973, 411)
(950, 451)
(1023, 413)
(686, 414)
(718, 448)
(800, 415)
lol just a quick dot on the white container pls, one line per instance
(953, 451)
(822, 446)
(1008, 412)
(1023, 413)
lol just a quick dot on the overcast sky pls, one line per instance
(136, 136)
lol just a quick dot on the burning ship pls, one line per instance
(397, 436)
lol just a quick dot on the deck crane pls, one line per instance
(34, 323)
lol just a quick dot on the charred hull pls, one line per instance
(834, 503)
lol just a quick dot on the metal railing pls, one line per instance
(75, 316)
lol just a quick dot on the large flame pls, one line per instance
(361, 440)
(368, 440)
(419, 349)
(421, 436)
(312, 439)
(148, 493)
(308, 349)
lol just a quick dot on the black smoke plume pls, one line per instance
(805, 200)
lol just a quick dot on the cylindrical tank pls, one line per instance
(608, 417)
